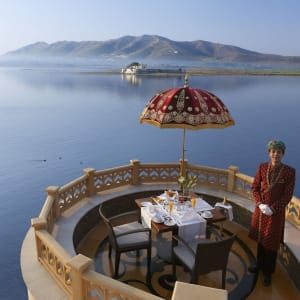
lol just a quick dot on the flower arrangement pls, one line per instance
(187, 183)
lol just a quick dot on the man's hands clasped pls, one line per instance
(265, 209)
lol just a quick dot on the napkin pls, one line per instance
(145, 217)
(189, 216)
(151, 212)
(228, 208)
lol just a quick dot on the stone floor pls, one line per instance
(240, 284)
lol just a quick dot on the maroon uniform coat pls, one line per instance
(268, 230)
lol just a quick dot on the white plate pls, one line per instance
(146, 203)
(170, 222)
(209, 216)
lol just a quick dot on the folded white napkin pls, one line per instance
(153, 212)
(162, 197)
(159, 210)
(202, 205)
(145, 217)
(228, 208)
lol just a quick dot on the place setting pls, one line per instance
(188, 214)
(157, 213)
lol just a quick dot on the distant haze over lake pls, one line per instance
(146, 48)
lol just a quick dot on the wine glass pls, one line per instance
(171, 206)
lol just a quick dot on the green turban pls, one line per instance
(276, 145)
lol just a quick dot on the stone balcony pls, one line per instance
(51, 267)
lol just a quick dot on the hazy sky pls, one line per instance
(268, 26)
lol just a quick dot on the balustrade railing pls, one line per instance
(243, 185)
(52, 256)
(112, 178)
(154, 173)
(73, 274)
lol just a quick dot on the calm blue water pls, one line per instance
(55, 123)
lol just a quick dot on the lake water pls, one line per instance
(56, 122)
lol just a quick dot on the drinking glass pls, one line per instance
(193, 200)
(171, 205)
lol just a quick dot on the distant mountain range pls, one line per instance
(148, 47)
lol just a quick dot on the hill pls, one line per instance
(148, 47)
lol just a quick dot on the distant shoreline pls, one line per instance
(199, 72)
(244, 72)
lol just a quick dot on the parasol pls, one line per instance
(186, 108)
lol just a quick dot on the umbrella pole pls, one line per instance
(182, 154)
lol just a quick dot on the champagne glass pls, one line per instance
(193, 200)
(171, 205)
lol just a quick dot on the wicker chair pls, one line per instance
(130, 236)
(202, 257)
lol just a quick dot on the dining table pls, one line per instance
(217, 216)
(194, 229)
(187, 231)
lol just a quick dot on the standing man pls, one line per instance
(273, 188)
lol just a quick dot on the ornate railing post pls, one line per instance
(232, 170)
(135, 171)
(38, 224)
(52, 192)
(91, 190)
(78, 264)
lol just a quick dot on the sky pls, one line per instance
(266, 26)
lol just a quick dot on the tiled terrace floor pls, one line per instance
(239, 283)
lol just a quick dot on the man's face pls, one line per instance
(275, 156)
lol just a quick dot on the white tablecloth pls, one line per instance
(190, 224)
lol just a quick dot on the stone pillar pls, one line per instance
(91, 190)
(232, 170)
(52, 192)
(78, 264)
(38, 224)
(135, 171)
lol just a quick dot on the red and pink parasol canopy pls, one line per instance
(187, 108)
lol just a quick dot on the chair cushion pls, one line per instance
(138, 239)
(185, 255)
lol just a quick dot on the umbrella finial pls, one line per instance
(186, 80)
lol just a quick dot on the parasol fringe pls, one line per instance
(187, 126)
